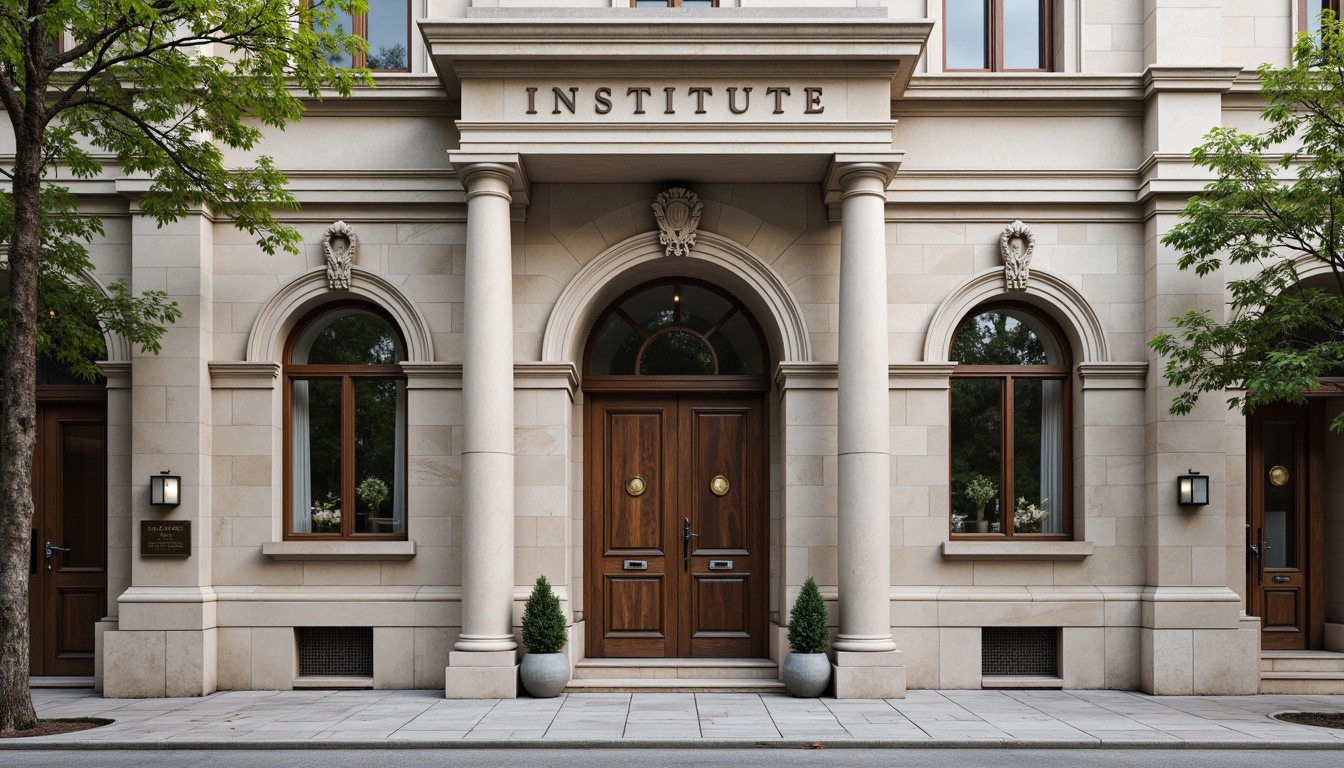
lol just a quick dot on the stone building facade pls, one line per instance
(679, 307)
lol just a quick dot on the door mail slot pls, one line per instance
(720, 565)
(636, 565)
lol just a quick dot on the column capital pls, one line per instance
(475, 168)
(846, 171)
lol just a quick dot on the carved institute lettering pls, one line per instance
(779, 100)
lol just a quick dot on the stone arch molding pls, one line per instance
(266, 342)
(118, 348)
(642, 258)
(1046, 291)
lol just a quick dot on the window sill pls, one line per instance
(1017, 550)
(339, 550)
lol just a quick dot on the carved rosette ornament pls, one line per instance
(1016, 244)
(338, 246)
(678, 213)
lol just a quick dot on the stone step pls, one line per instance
(674, 685)
(1301, 661)
(1302, 683)
(676, 669)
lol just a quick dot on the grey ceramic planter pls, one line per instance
(806, 675)
(545, 675)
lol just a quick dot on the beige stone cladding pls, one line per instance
(1092, 157)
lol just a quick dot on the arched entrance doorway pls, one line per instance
(676, 504)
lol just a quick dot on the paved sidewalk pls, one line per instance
(308, 719)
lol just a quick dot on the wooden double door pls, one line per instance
(1286, 525)
(67, 570)
(676, 526)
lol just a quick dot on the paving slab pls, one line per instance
(423, 719)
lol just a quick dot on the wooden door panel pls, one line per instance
(68, 592)
(635, 450)
(723, 604)
(650, 595)
(1284, 508)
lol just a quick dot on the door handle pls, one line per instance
(53, 548)
(686, 542)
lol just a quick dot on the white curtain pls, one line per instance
(1052, 455)
(301, 464)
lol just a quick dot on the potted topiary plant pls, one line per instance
(807, 670)
(545, 670)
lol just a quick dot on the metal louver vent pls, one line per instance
(335, 651)
(1019, 651)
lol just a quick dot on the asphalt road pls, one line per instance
(625, 758)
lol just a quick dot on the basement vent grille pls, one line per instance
(1019, 651)
(335, 651)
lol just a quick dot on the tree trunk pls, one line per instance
(18, 433)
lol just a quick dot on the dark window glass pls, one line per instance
(675, 329)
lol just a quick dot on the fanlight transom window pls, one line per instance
(676, 329)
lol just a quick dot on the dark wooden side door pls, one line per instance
(1284, 521)
(68, 579)
(676, 525)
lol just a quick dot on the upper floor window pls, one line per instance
(674, 3)
(677, 328)
(997, 35)
(345, 400)
(386, 26)
(1009, 431)
(1309, 13)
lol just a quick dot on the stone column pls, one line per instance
(867, 662)
(483, 663)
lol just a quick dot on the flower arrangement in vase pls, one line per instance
(980, 490)
(326, 515)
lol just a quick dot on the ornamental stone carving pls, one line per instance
(338, 246)
(1016, 245)
(678, 213)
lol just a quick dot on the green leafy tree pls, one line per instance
(1275, 212)
(156, 90)
(807, 620)
(543, 620)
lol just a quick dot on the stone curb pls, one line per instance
(494, 744)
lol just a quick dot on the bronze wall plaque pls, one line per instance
(165, 538)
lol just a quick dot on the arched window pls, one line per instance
(676, 328)
(1009, 431)
(345, 401)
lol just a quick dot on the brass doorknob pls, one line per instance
(719, 485)
(636, 486)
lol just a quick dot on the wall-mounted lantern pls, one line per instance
(1192, 490)
(165, 490)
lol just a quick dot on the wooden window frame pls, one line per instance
(359, 26)
(347, 375)
(1307, 9)
(994, 41)
(1008, 374)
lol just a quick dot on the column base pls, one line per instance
(869, 675)
(481, 675)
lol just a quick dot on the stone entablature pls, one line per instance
(608, 85)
